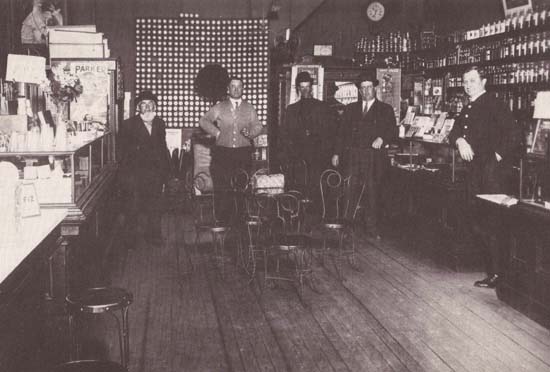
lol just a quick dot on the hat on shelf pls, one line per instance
(303, 77)
(146, 95)
(367, 75)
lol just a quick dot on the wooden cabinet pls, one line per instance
(526, 284)
(426, 198)
(23, 318)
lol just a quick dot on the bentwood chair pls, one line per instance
(296, 176)
(205, 221)
(256, 230)
(240, 186)
(340, 212)
(289, 246)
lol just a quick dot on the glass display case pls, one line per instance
(535, 181)
(428, 194)
(429, 158)
(61, 178)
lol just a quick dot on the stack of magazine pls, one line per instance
(435, 127)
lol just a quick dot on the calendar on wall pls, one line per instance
(170, 52)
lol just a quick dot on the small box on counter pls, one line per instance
(57, 36)
(67, 50)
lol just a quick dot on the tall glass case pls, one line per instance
(429, 157)
(535, 180)
(62, 178)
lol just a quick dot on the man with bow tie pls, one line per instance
(234, 123)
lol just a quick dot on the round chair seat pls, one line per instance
(99, 300)
(287, 247)
(253, 222)
(89, 366)
(290, 242)
(218, 229)
(334, 225)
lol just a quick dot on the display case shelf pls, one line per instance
(428, 156)
(67, 178)
(441, 70)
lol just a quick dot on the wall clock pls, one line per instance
(375, 11)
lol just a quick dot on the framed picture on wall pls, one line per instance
(322, 50)
(516, 6)
(346, 93)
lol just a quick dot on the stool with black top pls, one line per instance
(104, 300)
(89, 366)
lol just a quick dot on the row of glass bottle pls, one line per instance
(510, 73)
(521, 46)
(390, 43)
(517, 21)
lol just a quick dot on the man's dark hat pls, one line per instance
(303, 77)
(367, 75)
(146, 95)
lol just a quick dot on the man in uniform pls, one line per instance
(486, 136)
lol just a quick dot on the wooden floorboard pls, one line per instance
(401, 311)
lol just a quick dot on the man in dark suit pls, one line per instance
(307, 134)
(368, 126)
(144, 167)
(486, 136)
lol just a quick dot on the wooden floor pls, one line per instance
(400, 312)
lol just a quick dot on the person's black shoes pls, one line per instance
(489, 282)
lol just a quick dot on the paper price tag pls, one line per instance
(28, 201)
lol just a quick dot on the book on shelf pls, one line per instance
(447, 127)
(440, 121)
(409, 116)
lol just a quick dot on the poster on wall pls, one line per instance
(516, 6)
(389, 88)
(95, 76)
(347, 92)
(317, 73)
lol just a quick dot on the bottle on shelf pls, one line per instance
(521, 20)
(535, 17)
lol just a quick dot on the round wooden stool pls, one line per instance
(89, 366)
(104, 300)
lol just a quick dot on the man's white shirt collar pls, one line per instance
(472, 99)
(368, 103)
(236, 102)
(148, 126)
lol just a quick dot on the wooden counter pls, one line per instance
(29, 234)
(24, 285)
